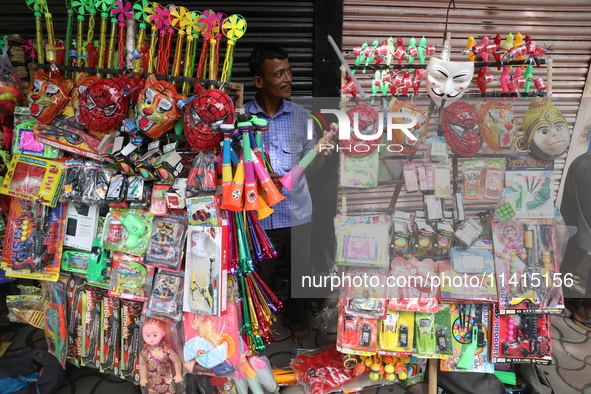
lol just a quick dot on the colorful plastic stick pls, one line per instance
(161, 18)
(179, 22)
(110, 60)
(152, 19)
(484, 54)
(91, 6)
(68, 42)
(233, 28)
(141, 16)
(214, 46)
(193, 29)
(208, 19)
(104, 6)
(121, 11)
(38, 7)
(469, 46)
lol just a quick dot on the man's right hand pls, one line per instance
(275, 179)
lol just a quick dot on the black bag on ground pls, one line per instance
(51, 373)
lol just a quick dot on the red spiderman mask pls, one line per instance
(103, 106)
(366, 124)
(204, 116)
(460, 129)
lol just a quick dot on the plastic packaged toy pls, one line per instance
(414, 290)
(356, 335)
(75, 261)
(165, 249)
(362, 240)
(166, 298)
(396, 333)
(130, 279)
(365, 299)
(91, 326)
(532, 181)
(128, 231)
(131, 314)
(110, 343)
(56, 331)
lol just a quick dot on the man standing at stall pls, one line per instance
(287, 142)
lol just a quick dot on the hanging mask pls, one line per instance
(156, 108)
(367, 123)
(103, 106)
(545, 130)
(47, 96)
(460, 129)
(498, 124)
(204, 116)
(447, 81)
(420, 130)
(82, 84)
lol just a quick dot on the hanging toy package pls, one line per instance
(11, 92)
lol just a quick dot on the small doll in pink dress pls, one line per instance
(161, 368)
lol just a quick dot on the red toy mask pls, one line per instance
(83, 83)
(103, 106)
(204, 116)
(367, 124)
(157, 109)
(460, 129)
(48, 95)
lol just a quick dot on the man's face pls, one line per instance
(275, 79)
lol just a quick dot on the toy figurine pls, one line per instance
(160, 366)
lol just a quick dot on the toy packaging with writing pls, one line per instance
(24, 142)
(75, 289)
(129, 366)
(356, 335)
(203, 211)
(34, 179)
(434, 329)
(67, 134)
(165, 249)
(128, 230)
(213, 342)
(75, 261)
(110, 334)
(166, 298)
(470, 337)
(56, 331)
(522, 339)
(360, 172)
(526, 262)
(91, 326)
(365, 298)
(33, 243)
(532, 181)
(130, 279)
(362, 240)
(396, 333)
(99, 265)
(81, 226)
(414, 289)
(206, 271)
(415, 370)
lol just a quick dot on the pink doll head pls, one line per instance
(154, 331)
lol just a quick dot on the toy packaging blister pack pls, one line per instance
(34, 179)
(24, 142)
(357, 335)
(212, 342)
(360, 172)
(523, 339)
(471, 342)
(365, 299)
(526, 262)
(81, 226)
(130, 279)
(531, 180)
(362, 240)
(99, 265)
(33, 247)
(75, 290)
(75, 261)
(165, 249)
(131, 313)
(91, 326)
(203, 211)
(396, 333)
(414, 290)
(206, 271)
(166, 299)
(110, 334)
(433, 331)
(56, 331)
(128, 230)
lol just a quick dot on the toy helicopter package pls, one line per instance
(206, 271)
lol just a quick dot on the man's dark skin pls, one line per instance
(273, 85)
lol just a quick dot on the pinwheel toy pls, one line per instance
(193, 28)
(121, 11)
(208, 21)
(153, 19)
(233, 28)
(104, 6)
(141, 15)
(161, 19)
(214, 46)
(179, 21)
(82, 8)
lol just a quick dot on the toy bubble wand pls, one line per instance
(154, 21)
(208, 20)
(38, 7)
(233, 28)
(162, 22)
(68, 43)
(140, 15)
(121, 12)
(214, 47)
(179, 21)
(91, 20)
(110, 61)
(193, 28)
(82, 8)
(104, 6)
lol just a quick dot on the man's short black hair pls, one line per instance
(262, 53)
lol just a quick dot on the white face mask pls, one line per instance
(447, 81)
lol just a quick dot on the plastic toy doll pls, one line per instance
(160, 366)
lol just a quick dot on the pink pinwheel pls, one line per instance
(122, 10)
(161, 18)
(209, 19)
(29, 48)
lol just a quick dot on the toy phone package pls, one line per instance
(34, 179)
(411, 180)
(203, 211)
(330, 373)
(471, 337)
(136, 189)
(472, 175)
(532, 181)
(523, 339)
(414, 290)
(396, 333)
(33, 245)
(213, 342)
(206, 271)
(356, 335)
(131, 314)
(110, 334)
(362, 240)
(365, 299)
(165, 249)
(56, 327)
(130, 279)
(360, 172)
(128, 230)
(91, 326)
(75, 291)
(166, 300)
(24, 142)
(526, 261)
(493, 178)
